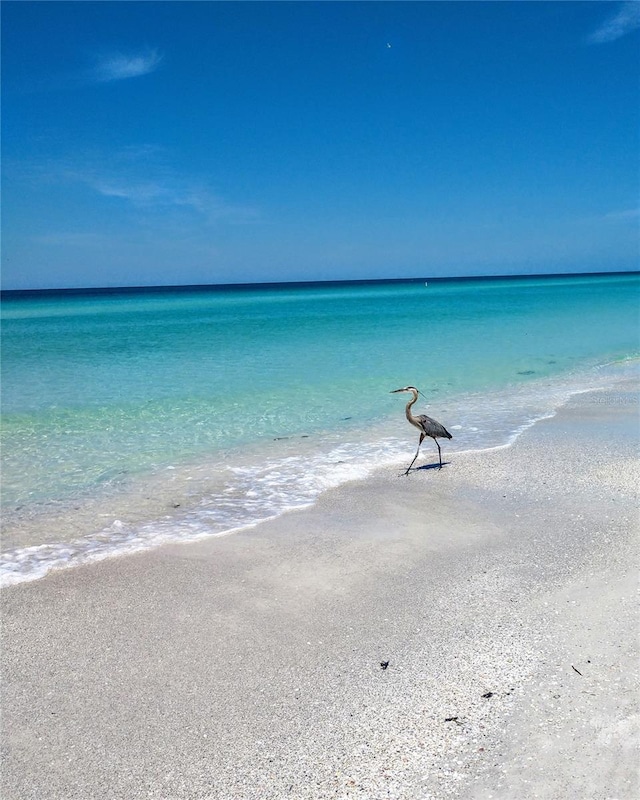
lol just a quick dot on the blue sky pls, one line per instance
(160, 143)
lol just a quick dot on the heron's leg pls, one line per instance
(416, 455)
(439, 452)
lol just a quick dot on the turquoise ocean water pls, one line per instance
(135, 418)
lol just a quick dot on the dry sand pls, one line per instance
(500, 590)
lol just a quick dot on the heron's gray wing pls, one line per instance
(433, 428)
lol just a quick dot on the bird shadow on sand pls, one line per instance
(436, 465)
(426, 467)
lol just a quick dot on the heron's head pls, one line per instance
(406, 389)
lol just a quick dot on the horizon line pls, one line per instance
(202, 287)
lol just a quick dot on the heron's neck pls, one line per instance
(410, 416)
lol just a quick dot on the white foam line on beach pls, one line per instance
(282, 485)
(56, 560)
(277, 486)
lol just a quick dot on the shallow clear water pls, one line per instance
(246, 402)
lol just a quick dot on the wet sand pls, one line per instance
(500, 590)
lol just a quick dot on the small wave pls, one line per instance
(252, 495)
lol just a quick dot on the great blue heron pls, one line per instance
(426, 425)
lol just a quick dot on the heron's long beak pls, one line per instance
(395, 391)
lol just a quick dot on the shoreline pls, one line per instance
(163, 507)
(499, 590)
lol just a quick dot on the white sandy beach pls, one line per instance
(501, 591)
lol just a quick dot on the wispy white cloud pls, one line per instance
(169, 192)
(140, 193)
(142, 179)
(105, 67)
(626, 19)
(120, 66)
